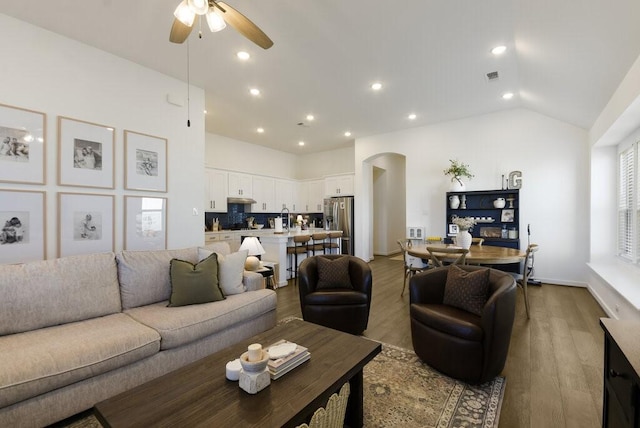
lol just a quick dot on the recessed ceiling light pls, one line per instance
(412, 116)
(376, 86)
(310, 117)
(507, 95)
(498, 50)
(347, 134)
(243, 55)
(260, 130)
(301, 143)
(254, 91)
(205, 112)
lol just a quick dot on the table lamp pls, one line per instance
(252, 244)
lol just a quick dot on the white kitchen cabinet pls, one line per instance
(285, 195)
(215, 190)
(311, 196)
(339, 185)
(240, 185)
(315, 198)
(264, 189)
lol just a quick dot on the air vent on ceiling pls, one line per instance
(492, 76)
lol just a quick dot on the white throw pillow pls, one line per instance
(230, 270)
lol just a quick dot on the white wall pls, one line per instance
(553, 158)
(235, 155)
(389, 212)
(331, 162)
(60, 77)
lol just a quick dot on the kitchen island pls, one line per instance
(274, 244)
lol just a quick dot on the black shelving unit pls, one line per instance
(490, 220)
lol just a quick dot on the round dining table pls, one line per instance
(477, 255)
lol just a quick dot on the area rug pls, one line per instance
(400, 390)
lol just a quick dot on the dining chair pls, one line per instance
(477, 241)
(523, 278)
(300, 243)
(412, 265)
(333, 241)
(437, 262)
(318, 243)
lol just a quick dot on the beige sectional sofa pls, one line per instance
(80, 329)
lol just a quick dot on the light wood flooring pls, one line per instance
(555, 362)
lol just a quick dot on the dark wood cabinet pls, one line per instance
(621, 397)
(497, 225)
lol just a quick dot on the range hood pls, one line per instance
(236, 200)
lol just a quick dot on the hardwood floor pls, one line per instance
(555, 362)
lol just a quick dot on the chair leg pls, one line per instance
(526, 297)
(404, 283)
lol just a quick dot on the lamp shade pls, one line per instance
(252, 244)
(215, 21)
(184, 13)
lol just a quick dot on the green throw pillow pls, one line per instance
(192, 284)
(333, 273)
(467, 290)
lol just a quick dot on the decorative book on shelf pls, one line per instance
(288, 356)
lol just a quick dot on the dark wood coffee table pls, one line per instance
(200, 395)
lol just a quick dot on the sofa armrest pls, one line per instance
(252, 280)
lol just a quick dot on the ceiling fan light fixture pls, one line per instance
(199, 7)
(184, 14)
(215, 21)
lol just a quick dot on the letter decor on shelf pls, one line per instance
(515, 180)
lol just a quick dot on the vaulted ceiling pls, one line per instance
(564, 59)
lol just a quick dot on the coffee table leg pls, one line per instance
(355, 410)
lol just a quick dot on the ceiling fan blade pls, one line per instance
(179, 32)
(244, 26)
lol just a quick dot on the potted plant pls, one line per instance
(457, 170)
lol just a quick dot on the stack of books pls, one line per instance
(282, 365)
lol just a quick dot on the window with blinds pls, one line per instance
(629, 205)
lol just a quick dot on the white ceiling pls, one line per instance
(564, 59)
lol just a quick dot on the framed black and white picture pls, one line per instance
(145, 223)
(86, 153)
(22, 226)
(453, 229)
(22, 145)
(85, 223)
(145, 158)
(508, 216)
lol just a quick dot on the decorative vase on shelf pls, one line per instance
(457, 185)
(454, 202)
(463, 239)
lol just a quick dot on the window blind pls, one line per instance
(628, 205)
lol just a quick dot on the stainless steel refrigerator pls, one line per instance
(338, 215)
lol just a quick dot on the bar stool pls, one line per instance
(330, 245)
(317, 243)
(299, 247)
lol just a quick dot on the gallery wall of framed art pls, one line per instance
(51, 77)
(86, 157)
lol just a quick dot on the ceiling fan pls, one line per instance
(218, 14)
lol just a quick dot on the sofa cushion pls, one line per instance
(46, 293)
(194, 283)
(230, 270)
(467, 290)
(42, 360)
(184, 324)
(333, 273)
(144, 275)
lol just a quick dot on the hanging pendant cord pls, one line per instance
(188, 89)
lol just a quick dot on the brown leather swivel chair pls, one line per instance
(455, 342)
(342, 309)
